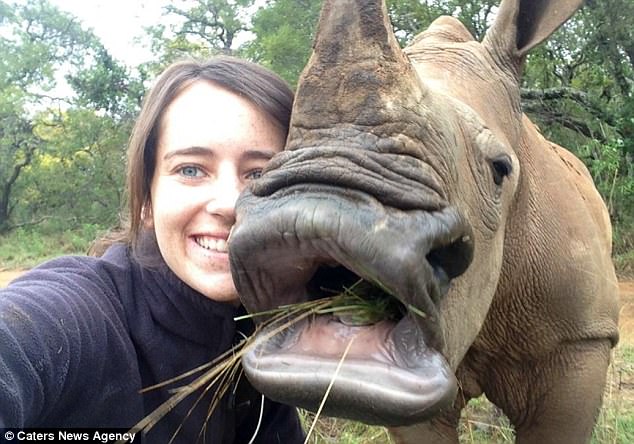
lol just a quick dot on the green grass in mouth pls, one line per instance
(360, 304)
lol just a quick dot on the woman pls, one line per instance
(81, 336)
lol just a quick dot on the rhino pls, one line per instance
(415, 170)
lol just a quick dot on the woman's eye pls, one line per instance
(190, 171)
(255, 174)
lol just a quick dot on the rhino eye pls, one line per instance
(501, 167)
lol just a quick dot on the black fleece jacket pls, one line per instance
(81, 336)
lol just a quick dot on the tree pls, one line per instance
(284, 32)
(216, 22)
(108, 87)
(284, 29)
(199, 28)
(77, 175)
(410, 17)
(37, 41)
(18, 145)
(577, 87)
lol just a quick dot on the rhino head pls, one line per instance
(400, 168)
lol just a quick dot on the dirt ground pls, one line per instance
(627, 312)
(7, 276)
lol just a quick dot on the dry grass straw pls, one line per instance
(352, 306)
(332, 381)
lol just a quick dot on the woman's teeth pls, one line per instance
(213, 244)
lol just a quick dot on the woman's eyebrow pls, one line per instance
(258, 154)
(249, 154)
(189, 151)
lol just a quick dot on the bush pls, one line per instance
(27, 247)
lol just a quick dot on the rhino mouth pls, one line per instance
(287, 250)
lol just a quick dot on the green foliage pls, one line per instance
(27, 62)
(284, 31)
(108, 87)
(200, 28)
(410, 17)
(215, 22)
(87, 152)
(17, 147)
(40, 38)
(60, 158)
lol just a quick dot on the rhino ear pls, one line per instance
(523, 24)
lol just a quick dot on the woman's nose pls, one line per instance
(225, 191)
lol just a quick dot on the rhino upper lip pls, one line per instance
(285, 246)
(404, 182)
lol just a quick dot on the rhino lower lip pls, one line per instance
(391, 374)
(403, 380)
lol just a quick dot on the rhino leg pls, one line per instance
(443, 429)
(557, 400)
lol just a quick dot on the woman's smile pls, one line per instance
(212, 244)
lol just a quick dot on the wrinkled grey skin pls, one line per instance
(417, 171)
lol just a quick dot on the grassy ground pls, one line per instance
(483, 423)
(624, 264)
(24, 249)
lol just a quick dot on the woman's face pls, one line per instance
(211, 144)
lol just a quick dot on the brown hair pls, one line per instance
(257, 84)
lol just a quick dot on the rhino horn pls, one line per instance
(357, 72)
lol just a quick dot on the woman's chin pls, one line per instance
(207, 272)
(216, 286)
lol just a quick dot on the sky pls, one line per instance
(117, 23)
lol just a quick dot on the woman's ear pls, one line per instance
(147, 218)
